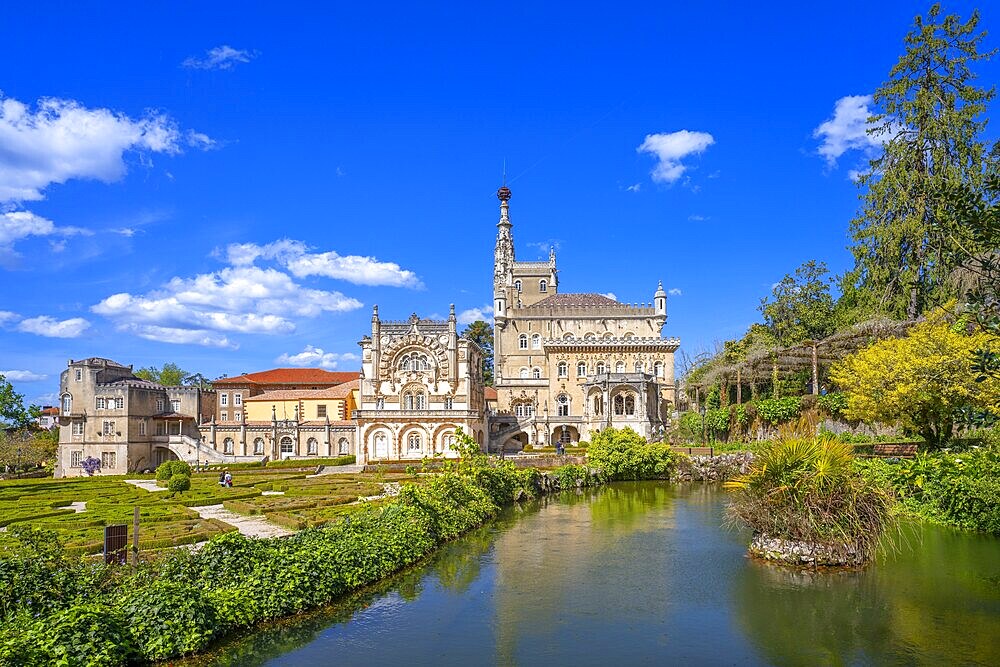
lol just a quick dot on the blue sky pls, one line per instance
(231, 188)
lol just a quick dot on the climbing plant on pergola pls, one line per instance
(773, 364)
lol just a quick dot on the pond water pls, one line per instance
(644, 573)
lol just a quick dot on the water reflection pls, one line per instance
(643, 573)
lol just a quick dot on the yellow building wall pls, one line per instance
(336, 408)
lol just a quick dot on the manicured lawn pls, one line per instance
(167, 520)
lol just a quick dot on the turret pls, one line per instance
(660, 303)
(503, 257)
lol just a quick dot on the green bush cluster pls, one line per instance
(833, 403)
(168, 469)
(179, 483)
(958, 488)
(625, 455)
(777, 410)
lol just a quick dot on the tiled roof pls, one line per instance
(281, 395)
(340, 391)
(491, 394)
(292, 376)
(49, 411)
(582, 299)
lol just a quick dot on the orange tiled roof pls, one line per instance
(49, 411)
(340, 391)
(491, 394)
(291, 376)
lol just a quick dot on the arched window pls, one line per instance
(522, 342)
(287, 446)
(519, 409)
(227, 446)
(343, 446)
(658, 369)
(569, 336)
(563, 369)
(590, 336)
(448, 441)
(608, 335)
(620, 367)
(543, 285)
(414, 361)
(517, 285)
(449, 403)
(413, 442)
(536, 342)
(598, 405)
(414, 400)
(619, 404)
(581, 368)
(628, 334)
(380, 403)
(600, 368)
(629, 404)
(536, 373)
(562, 405)
(524, 373)
(67, 404)
(639, 367)
(312, 446)
(258, 446)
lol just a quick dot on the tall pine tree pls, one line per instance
(929, 120)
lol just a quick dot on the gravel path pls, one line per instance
(251, 526)
(148, 484)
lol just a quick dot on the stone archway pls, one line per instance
(566, 435)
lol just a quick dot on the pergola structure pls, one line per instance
(784, 362)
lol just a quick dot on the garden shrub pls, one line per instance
(85, 635)
(717, 421)
(570, 476)
(624, 454)
(833, 403)
(179, 483)
(777, 410)
(168, 469)
(169, 618)
(808, 490)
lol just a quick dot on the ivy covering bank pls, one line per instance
(60, 609)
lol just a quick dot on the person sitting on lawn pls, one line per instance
(228, 480)
(222, 478)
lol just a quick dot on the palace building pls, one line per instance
(420, 383)
(567, 365)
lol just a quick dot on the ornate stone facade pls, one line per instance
(420, 382)
(568, 365)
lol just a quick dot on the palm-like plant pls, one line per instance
(807, 490)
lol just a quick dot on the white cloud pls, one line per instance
(177, 336)
(544, 247)
(221, 57)
(698, 218)
(611, 295)
(19, 225)
(295, 256)
(315, 356)
(670, 149)
(674, 291)
(7, 316)
(471, 315)
(634, 188)
(236, 299)
(61, 140)
(847, 130)
(24, 376)
(50, 327)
